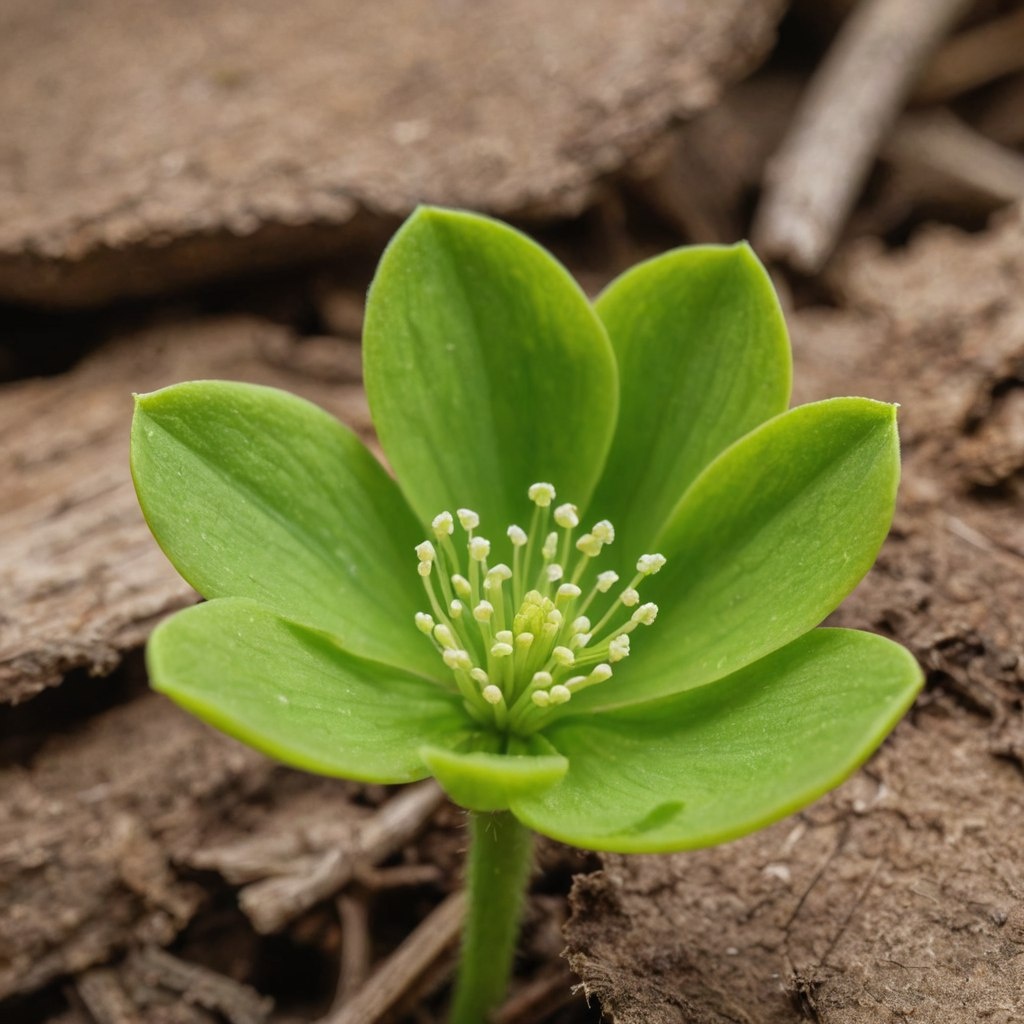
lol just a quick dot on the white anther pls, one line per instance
(589, 545)
(554, 617)
(554, 572)
(483, 611)
(456, 608)
(550, 548)
(579, 640)
(581, 624)
(517, 535)
(524, 640)
(497, 575)
(492, 694)
(541, 698)
(606, 580)
(563, 656)
(533, 597)
(559, 694)
(599, 673)
(443, 524)
(468, 518)
(504, 636)
(423, 568)
(603, 531)
(541, 494)
(646, 613)
(444, 636)
(425, 552)
(650, 564)
(461, 585)
(541, 679)
(425, 623)
(501, 650)
(567, 516)
(456, 658)
(618, 648)
(478, 675)
(568, 590)
(479, 549)
(630, 597)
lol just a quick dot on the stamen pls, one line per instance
(425, 551)
(648, 565)
(603, 531)
(425, 623)
(541, 698)
(461, 585)
(468, 519)
(502, 650)
(618, 648)
(541, 494)
(589, 545)
(492, 694)
(563, 656)
(457, 658)
(550, 548)
(645, 614)
(424, 568)
(559, 694)
(630, 597)
(517, 535)
(581, 624)
(483, 611)
(567, 516)
(606, 580)
(479, 549)
(478, 675)
(444, 636)
(443, 524)
(554, 572)
(456, 608)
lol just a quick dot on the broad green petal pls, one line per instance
(486, 369)
(293, 693)
(714, 763)
(484, 780)
(703, 358)
(252, 492)
(765, 544)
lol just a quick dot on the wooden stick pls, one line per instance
(851, 102)
(974, 57)
(355, 947)
(942, 143)
(439, 930)
(540, 999)
(273, 902)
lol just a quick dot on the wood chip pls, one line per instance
(851, 102)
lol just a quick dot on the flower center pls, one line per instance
(518, 640)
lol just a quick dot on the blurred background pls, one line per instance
(202, 189)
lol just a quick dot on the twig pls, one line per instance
(105, 998)
(851, 102)
(273, 902)
(973, 58)
(200, 986)
(355, 947)
(398, 877)
(941, 142)
(400, 970)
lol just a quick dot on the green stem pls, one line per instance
(500, 855)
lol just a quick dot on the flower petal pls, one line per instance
(294, 694)
(485, 780)
(765, 544)
(703, 358)
(712, 764)
(486, 369)
(252, 492)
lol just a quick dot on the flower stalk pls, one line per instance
(497, 871)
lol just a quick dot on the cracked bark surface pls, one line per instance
(204, 139)
(900, 896)
(81, 579)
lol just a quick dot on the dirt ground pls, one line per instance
(203, 191)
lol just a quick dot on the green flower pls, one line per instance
(463, 621)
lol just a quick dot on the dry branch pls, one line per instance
(355, 947)
(851, 102)
(395, 975)
(941, 143)
(974, 58)
(273, 902)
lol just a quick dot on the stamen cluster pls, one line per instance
(518, 639)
